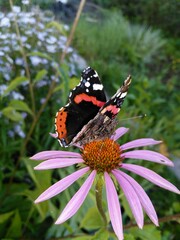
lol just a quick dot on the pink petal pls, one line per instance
(139, 143)
(148, 155)
(77, 200)
(61, 185)
(58, 163)
(151, 176)
(54, 154)
(131, 196)
(114, 207)
(119, 133)
(54, 135)
(143, 197)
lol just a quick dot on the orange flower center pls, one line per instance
(102, 155)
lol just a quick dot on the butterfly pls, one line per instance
(88, 116)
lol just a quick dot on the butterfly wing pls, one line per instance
(85, 100)
(103, 124)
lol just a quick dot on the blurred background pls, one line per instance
(43, 49)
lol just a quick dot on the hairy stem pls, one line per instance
(99, 187)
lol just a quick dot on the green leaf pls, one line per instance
(102, 234)
(38, 175)
(92, 219)
(42, 181)
(128, 236)
(58, 26)
(149, 232)
(127, 209)
(20, 105)
(12, 114)
(4, 217)
(42, 208)
(40, 54)
(14, 230)
(81, 238)
(14, 83)
(40, 75)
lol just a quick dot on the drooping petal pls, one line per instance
(113, 207)
(61, 185)
(54, 154)
(119, 133)
(77, 200)
(143, 197)
(139, 143)
(58, 163)
(131, 196)
(148, 155)
(151, 176)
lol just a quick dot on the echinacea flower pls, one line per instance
(106, 157)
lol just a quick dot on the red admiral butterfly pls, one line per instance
(88, 116)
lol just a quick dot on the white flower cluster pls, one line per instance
(42, 43)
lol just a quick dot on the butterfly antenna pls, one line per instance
(140, 116)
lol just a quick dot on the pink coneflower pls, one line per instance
(106, 158)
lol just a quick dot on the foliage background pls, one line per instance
(116, 38)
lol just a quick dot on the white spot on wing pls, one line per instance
(87, 90)
(97, 86)
(87, 84)
(123, 94)
(60, 143)
(95, 75)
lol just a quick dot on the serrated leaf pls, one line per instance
(14, 230)
(92, 219)
(20, 105)
(148, 232)
(40, 54)
(12, 114)
(4, 217)
(40, 75)
(15, 83)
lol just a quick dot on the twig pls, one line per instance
(24, 58)
(76, 20)
(161, 220)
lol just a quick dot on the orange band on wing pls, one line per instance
(111, 108)
(60, 123)
(84, 97)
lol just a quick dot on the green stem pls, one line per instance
(99, 188)
(25, 59)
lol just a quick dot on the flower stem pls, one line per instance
(99, 187)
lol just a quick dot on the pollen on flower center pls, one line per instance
(102, 155)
